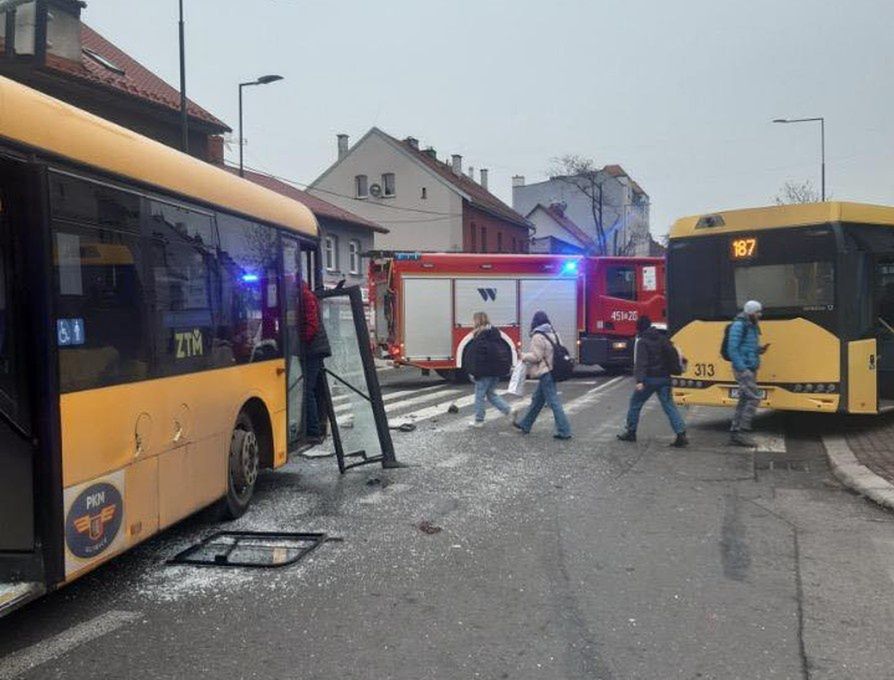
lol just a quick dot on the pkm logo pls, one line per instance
(94, 520)
(488, 294)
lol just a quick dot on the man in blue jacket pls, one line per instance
(744, 350)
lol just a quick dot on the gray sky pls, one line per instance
(680, 93)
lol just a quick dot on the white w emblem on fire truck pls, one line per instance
(488, 293)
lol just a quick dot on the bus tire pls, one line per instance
(243, 464)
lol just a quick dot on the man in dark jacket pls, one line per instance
(653, 357)
(316, 348)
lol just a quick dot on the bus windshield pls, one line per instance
(798, 285)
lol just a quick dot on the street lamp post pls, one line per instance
(263, 80)
(822, 122)
(184, 121)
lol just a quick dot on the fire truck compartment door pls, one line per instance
(556, 297)
(496, 297)
(427, 320)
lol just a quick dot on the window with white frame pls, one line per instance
(388, 183)
(361, 186)
(354, 256)
(330, 253)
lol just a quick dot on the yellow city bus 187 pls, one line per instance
(824, 273)
(148, 328)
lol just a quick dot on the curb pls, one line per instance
(853, 474)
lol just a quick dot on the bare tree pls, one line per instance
(583, 175)
(797, 192)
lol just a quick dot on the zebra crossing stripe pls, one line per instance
(345, 404)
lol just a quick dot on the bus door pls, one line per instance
(884, 325)
(17, 451)
(353, 398)
(291, 253)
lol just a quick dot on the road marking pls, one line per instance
(26, 660)
(590, 396)
(424, 394)
(769, 443)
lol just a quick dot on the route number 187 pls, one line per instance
(743, 248)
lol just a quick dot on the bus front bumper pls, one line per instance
(773, 397)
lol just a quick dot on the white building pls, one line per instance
(426, 204)
(625, 207)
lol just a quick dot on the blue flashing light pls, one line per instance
(570, 267)
(250, 278)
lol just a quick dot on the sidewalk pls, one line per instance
(862, 457)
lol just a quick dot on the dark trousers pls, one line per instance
(312, 369)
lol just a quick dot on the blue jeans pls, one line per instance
(484, 389)
(312, 368)
(546, 394)
(661, 387)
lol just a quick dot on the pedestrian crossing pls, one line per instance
(448, 408)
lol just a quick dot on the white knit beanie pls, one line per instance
(752, 307)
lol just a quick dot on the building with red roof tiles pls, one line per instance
(53, 51)
(426, 203)
(624, 207)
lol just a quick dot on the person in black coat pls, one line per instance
(653, 357)
(488, 358)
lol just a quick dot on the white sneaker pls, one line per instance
(476, 423)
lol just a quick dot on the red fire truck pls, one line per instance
(423, 303)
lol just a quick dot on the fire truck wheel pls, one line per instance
(454, 375)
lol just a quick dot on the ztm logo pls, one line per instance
(488, 294)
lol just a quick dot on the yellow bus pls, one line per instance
(824, 273)
(148, 337)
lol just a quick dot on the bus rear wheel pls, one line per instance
(242, 467)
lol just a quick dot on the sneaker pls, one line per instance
(739, 439)
(517, 425)
(681, 441)
(627, 436)
(563, 437)
(476, 423)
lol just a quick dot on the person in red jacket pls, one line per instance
(315, 344)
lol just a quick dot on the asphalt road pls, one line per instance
(581, 559)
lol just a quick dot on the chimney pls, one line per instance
(412, 141)
(457, 163)
(518, 181)
(215, 150)
(484, 177)
(471, 173)
(431, 153)
(342, 146)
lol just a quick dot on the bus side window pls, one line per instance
(249, 301)
(183, 260)
(99, 302)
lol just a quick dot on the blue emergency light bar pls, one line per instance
(570, 267)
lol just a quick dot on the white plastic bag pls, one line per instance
(517, 381)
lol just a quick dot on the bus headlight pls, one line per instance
(799, 387)
(808, 387)
(699, 384)
(830, 387)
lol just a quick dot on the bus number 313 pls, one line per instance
(704, 370)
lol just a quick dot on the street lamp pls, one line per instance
(822, 122)
(263, 80)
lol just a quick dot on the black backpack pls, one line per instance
(563, 364)
(672, 363)
(724, 347)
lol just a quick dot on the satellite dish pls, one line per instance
(375, 190)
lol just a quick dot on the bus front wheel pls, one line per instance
(243, 465)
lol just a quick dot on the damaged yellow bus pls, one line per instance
(824, 273)
(148, 325)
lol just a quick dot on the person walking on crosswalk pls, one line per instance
(540, 360)
(488, 358)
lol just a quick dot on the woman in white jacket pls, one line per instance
(539, 359)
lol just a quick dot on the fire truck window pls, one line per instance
(620, 282)
(249, 296)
